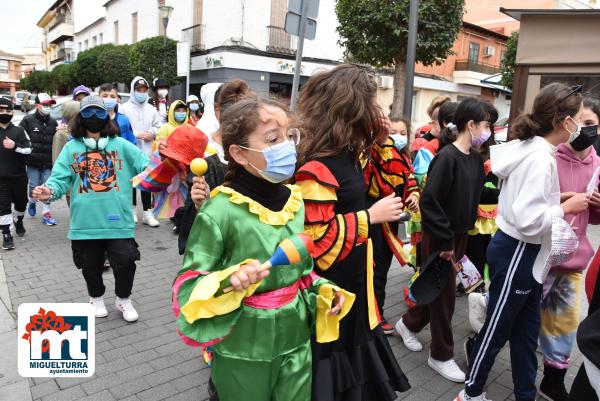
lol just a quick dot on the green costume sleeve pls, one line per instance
(204, 317)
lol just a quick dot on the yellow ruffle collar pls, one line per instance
(265, 215)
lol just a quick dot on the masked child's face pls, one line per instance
(272, 130)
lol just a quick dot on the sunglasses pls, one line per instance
(94, 111)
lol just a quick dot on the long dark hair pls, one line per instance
(337, 113)
(553, 104)
(230, 93)
(593, 104)
(493, 117)
(238, 121)
(446, 116)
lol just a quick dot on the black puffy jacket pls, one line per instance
(41, 130)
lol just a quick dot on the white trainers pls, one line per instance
(462, 396)
(149, 219)
(134, 211)
(447, 369)
(408, 337)
(125, 306)
(477, 310)
(99, 308)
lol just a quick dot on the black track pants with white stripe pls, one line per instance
(513, 315)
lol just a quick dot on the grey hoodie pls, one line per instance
(529, 195)
(143, 117)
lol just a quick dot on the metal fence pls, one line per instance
(466, 65)
(194, 35)
(280, 41)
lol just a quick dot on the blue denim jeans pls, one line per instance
(37, 176)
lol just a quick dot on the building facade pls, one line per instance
(57, 42)
(10, 72)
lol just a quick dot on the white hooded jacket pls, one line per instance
(529, 194)
(143, 118)
(208, 122)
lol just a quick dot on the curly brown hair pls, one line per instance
(337, 112)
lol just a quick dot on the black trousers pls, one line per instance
(382, 256)
(89, 256)
(146, 199)
(477, 250)
(12, 191)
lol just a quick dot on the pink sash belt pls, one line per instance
(273, 299)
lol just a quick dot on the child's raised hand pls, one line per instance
(386, 210)
(247, 275)
(338, 303)
(41, 193)
(200, 191)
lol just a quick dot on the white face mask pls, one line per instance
(163, 92)
(45, 110)
(573, 135)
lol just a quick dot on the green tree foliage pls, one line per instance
(375, 32)
(63, 77)
(150, 58)
(509, 60)
(86, 70)
(113, 64)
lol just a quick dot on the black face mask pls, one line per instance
(5, 118)
(94, 124)
(586, 138)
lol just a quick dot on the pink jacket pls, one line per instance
(574, 175)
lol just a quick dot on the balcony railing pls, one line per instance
(280, 41)
(61, 19)
(195, 36)
(61, 29)
(466, 65)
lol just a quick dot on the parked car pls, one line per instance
(9, 97)
(20, 95)
(501, 130)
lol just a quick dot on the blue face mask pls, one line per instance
(141, 97)
(281, 162)
(180, 116)
(399, 141)
(93, 144)
(194, 106)
(110, 103)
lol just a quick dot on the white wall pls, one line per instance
(88, 35)
(85, 12)
(232, 20)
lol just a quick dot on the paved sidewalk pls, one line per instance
(146, 361)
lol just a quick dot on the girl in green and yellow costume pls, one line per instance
(260, 332)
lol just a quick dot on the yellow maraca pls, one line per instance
(199, 166)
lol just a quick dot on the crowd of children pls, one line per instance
(339, 176)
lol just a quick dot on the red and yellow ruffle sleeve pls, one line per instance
(335, 235)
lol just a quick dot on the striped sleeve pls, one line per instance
(335, 235)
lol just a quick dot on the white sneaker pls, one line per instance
(477, 310)
(134, 211)
(462, 396)
(447, 369)
(125, 306)
(99, 308)
(408, 337)
(149, 219)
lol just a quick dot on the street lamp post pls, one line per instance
(165, 14)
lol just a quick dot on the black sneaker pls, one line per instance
(20, 228)
(552, 387)
(468, 348)
(7, 242)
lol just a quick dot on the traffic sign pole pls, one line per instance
(296, 82)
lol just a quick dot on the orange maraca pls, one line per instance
(199, 166)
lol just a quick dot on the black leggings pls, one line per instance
(477, 250)
(146, 199)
